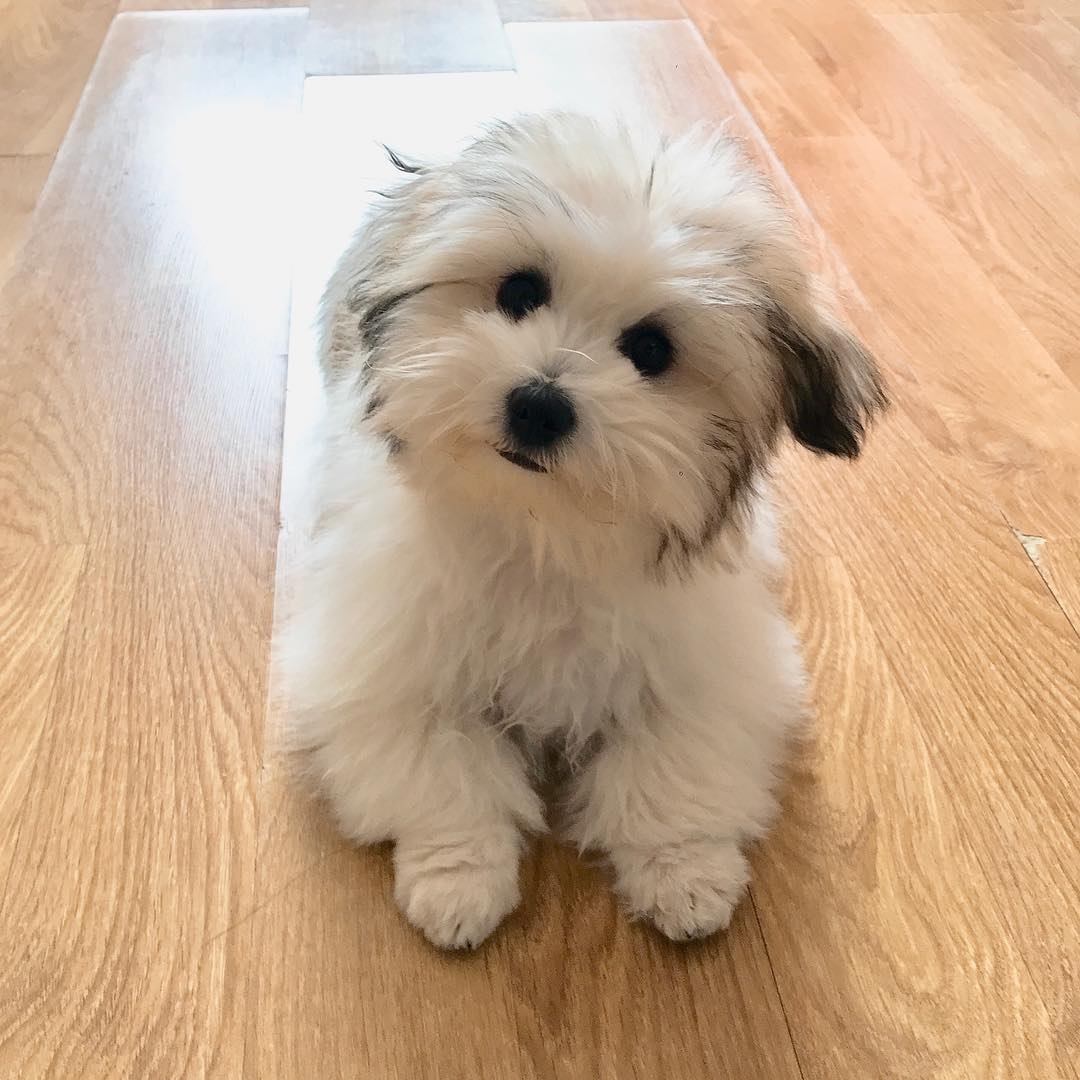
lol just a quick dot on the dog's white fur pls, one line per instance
(460, 616)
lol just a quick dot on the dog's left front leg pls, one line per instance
(671, 799)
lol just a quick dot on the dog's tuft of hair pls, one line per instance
(557, 369)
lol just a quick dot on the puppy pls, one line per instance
(556, 369)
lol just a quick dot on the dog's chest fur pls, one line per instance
(559, 656)
(552, 652)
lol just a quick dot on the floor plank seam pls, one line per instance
(276, 894)
(750, 895)
(793, 191)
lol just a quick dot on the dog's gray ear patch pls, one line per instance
(832, 385)
(374, 320)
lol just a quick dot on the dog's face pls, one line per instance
(570, 322)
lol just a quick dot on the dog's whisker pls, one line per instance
(578, 352)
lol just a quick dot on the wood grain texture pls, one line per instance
(888, 970)
(1016, 421)
(37, 586)
(1010, 138)
(1015, 112)
(981, 660)
(141, 411)
(391, 36)
(47, 48)
(527, 1006)
(979, 226)
(133, 847)
(538, 10)
(993, 682)
(970, 7)
(1043, 45)
(21, 181)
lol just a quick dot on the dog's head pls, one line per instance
(573, 323)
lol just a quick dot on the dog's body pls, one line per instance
(556, 370)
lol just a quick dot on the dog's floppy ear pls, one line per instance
(832, 386)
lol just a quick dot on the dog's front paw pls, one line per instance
(457, 893)
(687, 890)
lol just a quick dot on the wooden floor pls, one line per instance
(172, 906)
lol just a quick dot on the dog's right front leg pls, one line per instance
(454, 799)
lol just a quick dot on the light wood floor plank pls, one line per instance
(989, 666)
(622, 69)
(47, 48)
(1044, 45)
(1011, 109)
(969, 7)
(388, 36)
(134, 846)
(538, 10)
(1017, 223)
(885, 966)
(21, 181)
(147, 347)
(141, 410)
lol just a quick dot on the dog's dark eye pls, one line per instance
(522, 293)
(648, 348)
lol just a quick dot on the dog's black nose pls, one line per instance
(538, 415)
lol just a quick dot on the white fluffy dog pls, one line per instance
(557, 368)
